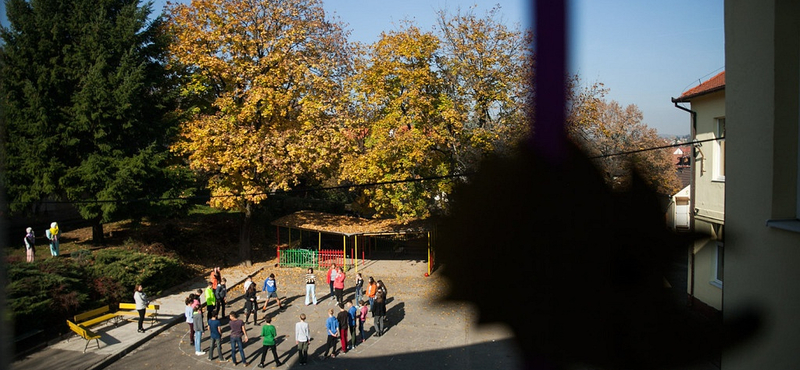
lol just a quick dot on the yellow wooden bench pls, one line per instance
(84, 333)
(95, 316)
(129, 309)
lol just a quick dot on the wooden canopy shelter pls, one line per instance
(351, 226)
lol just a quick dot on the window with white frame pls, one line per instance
(719, 150)
(719, 265)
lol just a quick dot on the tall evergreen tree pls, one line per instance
(86, 98)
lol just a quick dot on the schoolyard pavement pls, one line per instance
(423, 332)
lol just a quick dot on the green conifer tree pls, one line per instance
(86, 98)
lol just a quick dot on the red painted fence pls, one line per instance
(329, 256)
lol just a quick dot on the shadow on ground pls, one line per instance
(488, 355)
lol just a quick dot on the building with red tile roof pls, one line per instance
(713, 84)
(705, 199)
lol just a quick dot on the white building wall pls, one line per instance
(709, 203)
(762, 263)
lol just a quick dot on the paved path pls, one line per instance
(117, 341)
(422, 332)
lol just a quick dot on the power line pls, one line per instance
(656, 148)
(342, 187)
(700, 80)
(273, 192)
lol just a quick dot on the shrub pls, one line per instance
(106, 289)
(128, 268)
(43, 293)
(82, 256)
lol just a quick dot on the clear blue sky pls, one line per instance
(645, 52)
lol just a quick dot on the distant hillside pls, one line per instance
(676, 138)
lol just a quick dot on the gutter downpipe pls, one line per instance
(692, 200)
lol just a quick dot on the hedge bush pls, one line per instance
(43, 294)
(128, 268)
(40, 287)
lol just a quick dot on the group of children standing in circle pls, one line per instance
(342, 327)
(351, 316)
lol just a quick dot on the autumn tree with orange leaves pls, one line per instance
(400, 111)
(486, 66)
(275, 98)
(264, 96)
(620, 142)
(433, 105)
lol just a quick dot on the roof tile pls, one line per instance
(712, 84)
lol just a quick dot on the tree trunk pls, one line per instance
(97, 231)
(244, 236)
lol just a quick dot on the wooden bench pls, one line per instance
(95, 316)
(84, 333)
(129, 309)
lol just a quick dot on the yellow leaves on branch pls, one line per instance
(396, 92)
(278, 97)
(432, 105)
(268, 74)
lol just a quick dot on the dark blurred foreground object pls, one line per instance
(575, 269)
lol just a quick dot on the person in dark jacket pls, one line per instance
(250, 304)
(379, 311)
(344, 323)
(222, 293)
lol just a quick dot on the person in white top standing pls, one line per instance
(311, 287)
(30, 242)
(302, 337)
(141, 304)
(330, 277)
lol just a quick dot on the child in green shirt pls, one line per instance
(268, 334)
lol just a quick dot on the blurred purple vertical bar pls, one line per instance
(549, 135)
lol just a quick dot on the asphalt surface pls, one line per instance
(422, 331)
(118, 340)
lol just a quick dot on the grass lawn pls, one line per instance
(205, 238)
